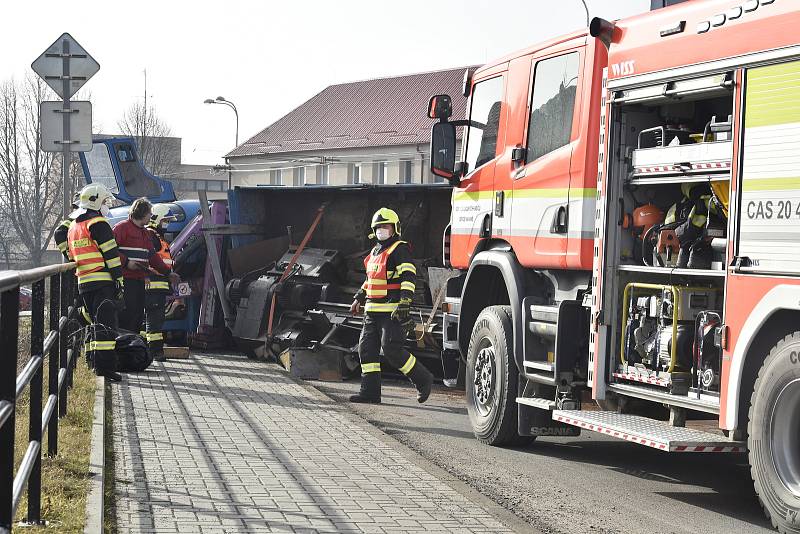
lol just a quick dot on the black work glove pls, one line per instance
(402, 314)
(688, 233)
(360, 296)
(119, 296)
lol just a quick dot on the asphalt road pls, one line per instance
(590, 484)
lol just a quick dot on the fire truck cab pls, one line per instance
(626, 222)
(521, 229)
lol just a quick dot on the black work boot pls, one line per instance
(112, 375)
(370, 392)
(422, 380)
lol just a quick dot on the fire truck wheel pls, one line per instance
(491, 381)
(774, 435)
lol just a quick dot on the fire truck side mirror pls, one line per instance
(443, 151)
(604, 30)
(440, 107)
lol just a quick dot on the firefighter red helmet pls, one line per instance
(645, 217)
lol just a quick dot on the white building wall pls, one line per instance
(252, 170)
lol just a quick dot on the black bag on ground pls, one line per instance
(132, 353)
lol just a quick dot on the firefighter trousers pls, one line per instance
(101, 348)
(131, 318)
(154, 304)
(380, 331)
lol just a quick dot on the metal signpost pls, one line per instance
(65, 66)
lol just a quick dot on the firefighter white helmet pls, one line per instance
(160, 213)
(93, 196)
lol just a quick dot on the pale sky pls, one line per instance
(270, 57)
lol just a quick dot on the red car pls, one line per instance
(25, 299)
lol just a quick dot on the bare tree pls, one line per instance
(157, 154)
(30, 179)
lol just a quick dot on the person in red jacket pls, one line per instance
(138, 255)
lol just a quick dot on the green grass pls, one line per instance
(64, 477)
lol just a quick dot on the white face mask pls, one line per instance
(104, 210)
(383, 234)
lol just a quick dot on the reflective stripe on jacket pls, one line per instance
(155, 281)
(378, 284)
(85, 251)
(382, 286)
(136, 245)
(60, 237)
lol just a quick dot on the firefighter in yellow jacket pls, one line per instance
(386, 300)
(91, 245)
(60, 238)
(157, 285)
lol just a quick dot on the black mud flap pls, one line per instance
(535, 421)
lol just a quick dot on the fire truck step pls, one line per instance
(536, 402)
(649, 432)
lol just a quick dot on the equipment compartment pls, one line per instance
(670, 198)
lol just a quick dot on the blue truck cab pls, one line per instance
(114, 162)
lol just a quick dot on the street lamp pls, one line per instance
(585, 7)
(221, 100)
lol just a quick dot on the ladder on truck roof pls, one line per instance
(649, 432)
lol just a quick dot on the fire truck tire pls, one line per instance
(491, 379)
(774, 435)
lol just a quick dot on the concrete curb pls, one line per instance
(505, 516)
(95, 500)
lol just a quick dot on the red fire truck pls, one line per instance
(626, 224)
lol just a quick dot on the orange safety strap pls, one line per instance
(292, 262)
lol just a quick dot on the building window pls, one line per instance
(300, 176)
(383, 171)
(354, 174)
(323, 175)
(406, 170)
(276, 177)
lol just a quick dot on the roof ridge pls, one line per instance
(298, 106)
(434, 71)
(340, 109)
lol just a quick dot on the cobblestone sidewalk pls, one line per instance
(218, 443)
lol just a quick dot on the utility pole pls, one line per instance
(144, 117)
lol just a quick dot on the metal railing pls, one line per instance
(56, 350)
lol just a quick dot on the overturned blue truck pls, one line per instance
(272, 270)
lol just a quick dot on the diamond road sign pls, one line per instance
(65, 57)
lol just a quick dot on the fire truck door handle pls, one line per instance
(739, 262)
(560, 221)
(499, 202)
(486, 226)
